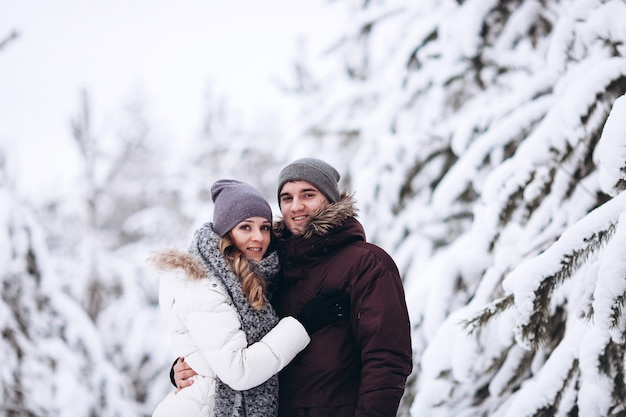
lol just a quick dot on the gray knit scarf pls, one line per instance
(260, 401)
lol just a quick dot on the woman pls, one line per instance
(219, 317)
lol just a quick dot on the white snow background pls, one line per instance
(485, 142)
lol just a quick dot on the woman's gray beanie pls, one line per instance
(315, 171)
(234, 202)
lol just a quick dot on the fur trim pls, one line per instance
(325, 219)
(171, 259)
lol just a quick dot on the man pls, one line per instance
(356, 367)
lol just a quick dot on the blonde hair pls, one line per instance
(253, 285)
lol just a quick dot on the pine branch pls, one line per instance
(522, 372)
(537, 328)
(474, 324)
(551, 409)
(611, 363)
(616, 312)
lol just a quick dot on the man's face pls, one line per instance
(298, 201)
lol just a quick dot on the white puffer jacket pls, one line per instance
(205, 329)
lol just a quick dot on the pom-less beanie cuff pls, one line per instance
(315, 171)
(234, 202)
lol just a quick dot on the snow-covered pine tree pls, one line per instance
(53, 363)
(474, 129)
(126, 205)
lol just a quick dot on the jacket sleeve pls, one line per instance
(214, 326)
(382, 328)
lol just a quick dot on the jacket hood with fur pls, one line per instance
(173, 259)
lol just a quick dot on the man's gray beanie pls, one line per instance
(315, 171)
(236, 201)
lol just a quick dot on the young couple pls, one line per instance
(307, 296)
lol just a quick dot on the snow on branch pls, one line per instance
(475, 323)
(609, 296)
(610, 153)
(533, 282)
(531, 291)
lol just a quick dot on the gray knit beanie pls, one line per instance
(236, 201)
(315, 171)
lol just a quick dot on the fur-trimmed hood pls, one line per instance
(326, 219)
(174, 259)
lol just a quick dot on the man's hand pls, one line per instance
(183, 374)
(323, 310)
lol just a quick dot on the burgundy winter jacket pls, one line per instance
(355, 367)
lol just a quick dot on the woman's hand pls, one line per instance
(183, 374)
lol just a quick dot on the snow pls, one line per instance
(486, 147)
(526, 278)
(594, 383)
(608, 291)
(611, 150)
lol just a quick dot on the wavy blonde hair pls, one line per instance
(253, 285)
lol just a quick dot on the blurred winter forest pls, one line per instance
(486, 144)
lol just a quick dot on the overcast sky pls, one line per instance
(166, 52)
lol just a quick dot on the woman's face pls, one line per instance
(252, 237)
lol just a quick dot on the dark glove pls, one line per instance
(323, 310)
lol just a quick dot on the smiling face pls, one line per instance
(252, 237)
(298, 201)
